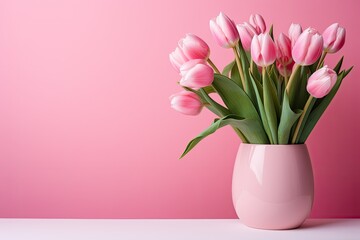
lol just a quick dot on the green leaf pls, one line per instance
(239, 103)
(269, 106)
(234, 97)
(247, 126)
(274, 83)
(255, 72)
(245, 66)
(259, 99)
(319, 108)
(271, 32)
(287, 120)
(274, 75)
(303, 118)
(295, 79)
(337, 68)
(313, 67)
(302, 93)
(274, 79)
(219, 109)
(235, 75)
(209, 89)
(228, 68)
(209, 103)
(280, 91)
(348, 71)
(257, 87)
(248, 56)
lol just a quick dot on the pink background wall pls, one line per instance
(86, 130)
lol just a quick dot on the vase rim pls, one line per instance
(259, 144)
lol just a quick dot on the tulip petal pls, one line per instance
(186, 102)
(334, 38)
(283, 45)
(321, 82)
(194, 47)
(196, 74)
(300, 48)
(246, 33)
(340, 40)
(294, 32)
(330, 34)
(218, 34)
(319, 88)
(177, 58)
(229, 28)
(256, 50)
(268, 50)
(257, 21)
(314, 50)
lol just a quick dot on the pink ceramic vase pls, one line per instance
(273, 185)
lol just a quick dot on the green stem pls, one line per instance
(321, 61)
(238, 62)
(279, 90)
(308, 106)
(286, 79)
(291, 79)
(213, 66)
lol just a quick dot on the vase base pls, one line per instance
(273, 228)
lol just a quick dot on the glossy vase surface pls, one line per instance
(273, 185)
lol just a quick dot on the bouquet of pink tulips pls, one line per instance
(274, 91)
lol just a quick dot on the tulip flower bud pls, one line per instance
(321, 82)
(224, 31)
(283, 44)
(177, 59)
(308, 47)
(284, 70)
(294, 32)
(246, 32)
(257, 21)
(196, 74)
(186, 102)
(263, 50)
(334, 38)
(194, 47)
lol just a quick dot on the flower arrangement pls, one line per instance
(274, 91)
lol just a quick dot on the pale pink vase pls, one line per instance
(273, 185)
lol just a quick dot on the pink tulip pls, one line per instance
(257, 21)
(283, 44)
(321, 82)
(177, 58)
(246, 32)
(284, 70)
(263, 50)
(308, 47)
(196, 74)
(190, 47)
(224, 31)
(334, 38)
(194, 47)
(186, 102)
(294, 32)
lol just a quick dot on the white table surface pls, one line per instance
(209, 229)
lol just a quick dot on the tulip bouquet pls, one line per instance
(273, 92)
